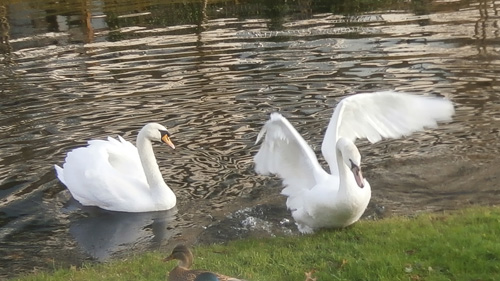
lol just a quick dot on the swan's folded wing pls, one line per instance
(285, 153)
(124, 158)
(105, 173)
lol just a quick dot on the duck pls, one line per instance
(182, 271)
(338, 198)
(207, 276)
(115, 175)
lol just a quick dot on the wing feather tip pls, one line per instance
(275, 116)
(59, 173)
(261, 134)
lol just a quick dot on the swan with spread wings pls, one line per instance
(319, 199)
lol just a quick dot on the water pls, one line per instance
(212, 72)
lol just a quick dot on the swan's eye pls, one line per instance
(165, 137)
(163, 133)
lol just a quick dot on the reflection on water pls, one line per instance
(212, 71)
(102, 234)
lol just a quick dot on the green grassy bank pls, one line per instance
(460, 245)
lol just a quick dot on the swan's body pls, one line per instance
(117, 176)
(319, 199)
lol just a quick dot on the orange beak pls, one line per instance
(166, 139)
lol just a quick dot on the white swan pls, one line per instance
(318, 199)
(116, 176)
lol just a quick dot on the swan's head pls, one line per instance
(182, 254)
(156, 132)
(352, 158)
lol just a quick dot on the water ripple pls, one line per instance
(214, 82)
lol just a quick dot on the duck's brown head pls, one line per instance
(182, 254)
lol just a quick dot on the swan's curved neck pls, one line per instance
(342, 169)
(162, 196)
(148, 161)
(345, 175)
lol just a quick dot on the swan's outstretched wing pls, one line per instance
(383, 115)
(285, 153)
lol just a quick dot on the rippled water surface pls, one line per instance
(212, 72)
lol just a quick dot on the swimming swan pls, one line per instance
(116, 176)
(318, 199)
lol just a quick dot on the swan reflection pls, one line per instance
(104, 233)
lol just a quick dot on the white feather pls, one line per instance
(318, 199)
(110, 174)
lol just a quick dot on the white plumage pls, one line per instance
(117, 176)
(337, 199)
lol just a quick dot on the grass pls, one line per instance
(460, 245)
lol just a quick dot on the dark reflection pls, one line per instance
(91, 16)
(201, 25)
(97, 15)
(51, 19)
(103, 234)
(421, 7)
(5, 47)
(276, 11)
(356, 7)
(487, 27)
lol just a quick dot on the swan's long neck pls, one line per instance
(343, 172)
(161, 195)
(148, 161)
(346, 177)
